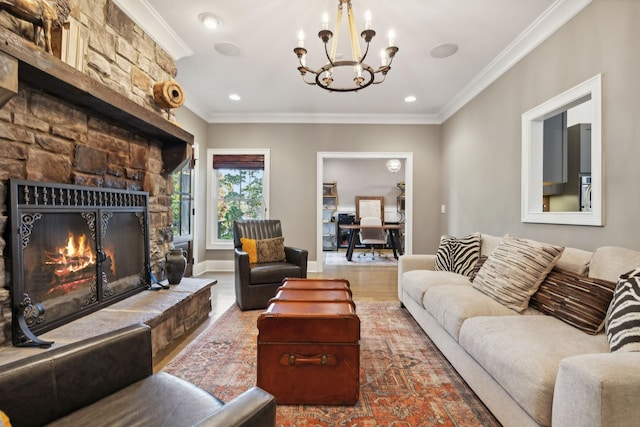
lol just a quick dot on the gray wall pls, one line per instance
(482, 141)
(294, 151)
(472, 162)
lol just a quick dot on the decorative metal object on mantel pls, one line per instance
(364, 74)
(168, 95)
(43, 14)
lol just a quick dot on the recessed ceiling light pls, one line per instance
(444, 50)
(210, 20)
(410, 98)
(234, 97)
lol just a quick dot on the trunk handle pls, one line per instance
(294, 359)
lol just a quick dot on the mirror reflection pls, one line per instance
(566, 172)
(562, 177)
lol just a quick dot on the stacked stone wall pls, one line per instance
(44, 139)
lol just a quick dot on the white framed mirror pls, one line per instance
(562, 177)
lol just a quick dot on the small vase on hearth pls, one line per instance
(175, 265)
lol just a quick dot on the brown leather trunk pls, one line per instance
(312, 295)
(317, 284)
(309, 351)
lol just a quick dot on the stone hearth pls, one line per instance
(171, 314)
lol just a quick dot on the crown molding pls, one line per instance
(558, 14)
(326, 118)
(143, 14)
(195, 107)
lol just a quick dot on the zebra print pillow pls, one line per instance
(623, 317)
(458, 255)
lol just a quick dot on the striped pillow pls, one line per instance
(575, 299)
(514, 270)
(458, 255)
(623, 317)
(477, 267)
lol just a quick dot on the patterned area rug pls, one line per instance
(404, 380)
(340, 258)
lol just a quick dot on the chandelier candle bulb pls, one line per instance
(325, 21)
(392, 38)
(301, 38)
(367, 20)
(383, 58)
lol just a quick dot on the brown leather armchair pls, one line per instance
(256, 283)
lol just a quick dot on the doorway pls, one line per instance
(407, 217)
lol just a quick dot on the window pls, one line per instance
(181, 203)
(238, 182)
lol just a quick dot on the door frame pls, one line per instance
(408, 178)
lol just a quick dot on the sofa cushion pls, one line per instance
(609, 262)
(623, 316)
(519, 350)
(488, 243)
(514, 270)
(458, 255)
(576, 299)
(451, 305)
(575, 261)
(416, 282)
(161, 399)
(273, 272)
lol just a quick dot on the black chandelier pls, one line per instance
(364, 74)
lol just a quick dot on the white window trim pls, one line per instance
(212, 241)
(532, 156)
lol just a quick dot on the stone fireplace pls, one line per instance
(95, 127)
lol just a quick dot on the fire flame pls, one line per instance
(74, 256)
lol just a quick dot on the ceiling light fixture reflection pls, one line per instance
(234, 97)
(363, 74)
(410, 98)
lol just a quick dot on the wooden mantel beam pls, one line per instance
(42, 71)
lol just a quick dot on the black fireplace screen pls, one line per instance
(74, 250)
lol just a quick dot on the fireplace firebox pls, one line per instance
(74, 250)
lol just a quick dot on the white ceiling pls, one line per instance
(492, 36)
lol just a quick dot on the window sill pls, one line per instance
(220, 245)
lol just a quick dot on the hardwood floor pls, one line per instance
(368, 283)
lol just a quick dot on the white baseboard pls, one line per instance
(213, 265)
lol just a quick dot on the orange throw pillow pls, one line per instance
(4, 420)
(249, 246)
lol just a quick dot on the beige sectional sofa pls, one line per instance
(529, 368)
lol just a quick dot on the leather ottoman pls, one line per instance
(309, 348)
